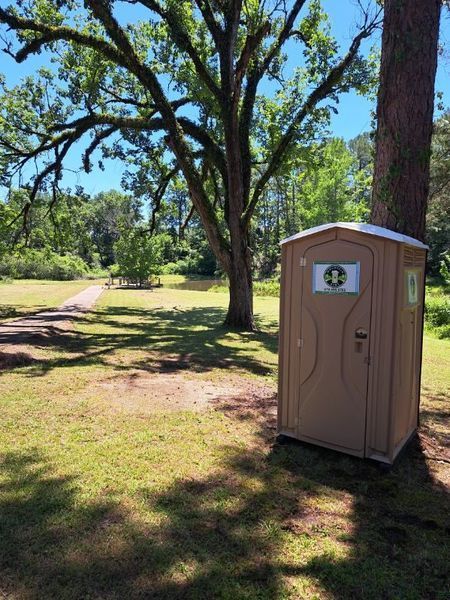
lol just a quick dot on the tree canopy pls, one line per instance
(178, 87)
(138, 254)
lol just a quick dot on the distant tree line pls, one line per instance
(325, 182)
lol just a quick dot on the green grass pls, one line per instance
(29, 296)
(97, 502)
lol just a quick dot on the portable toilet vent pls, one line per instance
(351, 322)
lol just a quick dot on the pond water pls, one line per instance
(197, 285)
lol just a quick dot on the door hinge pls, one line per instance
(367, 360)
(300, 343)
(303, 261)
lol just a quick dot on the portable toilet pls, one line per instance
(351, 323)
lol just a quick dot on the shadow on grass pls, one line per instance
(398, 544)
(429, 418)
(176, 339)
(10, 311)
(259, 525)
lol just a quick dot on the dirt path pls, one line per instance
(49, 322)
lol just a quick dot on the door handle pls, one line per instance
(361, 334)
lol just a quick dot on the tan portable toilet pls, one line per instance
(351, 322)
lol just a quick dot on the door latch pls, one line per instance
(361, 334)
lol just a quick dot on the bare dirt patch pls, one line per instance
(144, 393)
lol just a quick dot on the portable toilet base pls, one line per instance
(351, 323)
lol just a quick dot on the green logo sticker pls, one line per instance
(340, 278)
(335, 276)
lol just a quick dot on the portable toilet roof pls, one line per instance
(361, 227)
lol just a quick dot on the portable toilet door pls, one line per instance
(338, 303)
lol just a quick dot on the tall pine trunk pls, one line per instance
(405, 115)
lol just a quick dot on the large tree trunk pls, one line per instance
(405, 115)
(240, 308)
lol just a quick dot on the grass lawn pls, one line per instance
(108, 492)
(29, 296)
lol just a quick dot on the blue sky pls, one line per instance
(354, 112)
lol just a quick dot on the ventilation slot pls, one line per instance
(413, 257)
(419, 256)
(408, 257)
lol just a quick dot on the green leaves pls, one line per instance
(138, 254)
(227, 94)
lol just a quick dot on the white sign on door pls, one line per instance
(336, 277)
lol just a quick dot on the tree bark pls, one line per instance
(240, 307)
(405, 115)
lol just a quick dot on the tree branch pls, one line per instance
(188, 218)
(182, 40)
(282, 37)
(251, 44)
(52, 33)
(253, 80)
(122, 53)
(210, 147)
(213, 26)
(159, 195)
(98, 139)
(322, 91)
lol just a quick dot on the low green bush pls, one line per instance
(194, 263)
(443, 332)
(97, 273)
(260, 288)
(437, 311)
(114, 270)
(173, 268)
(42, 264)
(444, 268)
(266, 288)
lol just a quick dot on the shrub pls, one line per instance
(138, 254)
(444, 268)
(266, 288)
(180, 267)
(443, 332)
(114, 270)
(97, 273)
(170, 268)
(437, 311)
(260, 288)
(42, 264)
(195, 263)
